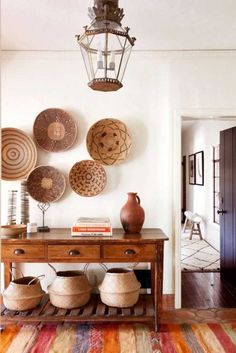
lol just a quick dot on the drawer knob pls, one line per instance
(129, 252)
(19, 251)
(74, 252)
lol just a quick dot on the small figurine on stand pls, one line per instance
(43, 206)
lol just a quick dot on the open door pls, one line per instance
(227, 209)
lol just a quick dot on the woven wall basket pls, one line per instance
(46, 184)
(87, 178)
(19, 154)
(55, 130)
(109, 141)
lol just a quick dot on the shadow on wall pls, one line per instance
(139, 139)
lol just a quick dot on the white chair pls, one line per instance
(192, 220)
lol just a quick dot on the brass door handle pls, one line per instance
(74, 252)
(19, 251)
(129, 252)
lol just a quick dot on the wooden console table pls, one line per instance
(59, 246)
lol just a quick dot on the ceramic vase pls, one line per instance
(132, 214)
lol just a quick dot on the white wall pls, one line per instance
(155, 87)
(202, 136)
(34, 82)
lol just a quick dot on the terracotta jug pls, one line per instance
(132, 214)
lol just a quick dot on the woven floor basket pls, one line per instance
(69, 301)
(120, 288)
(70, 289)
(23, 294)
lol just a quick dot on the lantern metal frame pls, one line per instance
(106, 20)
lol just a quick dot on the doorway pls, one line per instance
(200, 236)
(208, 229)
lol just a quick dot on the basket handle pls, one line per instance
(133, 266)
(103, 266)
(38, 278)
(53, 268)
(86, 266)
(17, 270)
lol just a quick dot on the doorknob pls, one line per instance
(221, 211)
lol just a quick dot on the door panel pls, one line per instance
(228, 203)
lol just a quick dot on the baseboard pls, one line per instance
(168, 301)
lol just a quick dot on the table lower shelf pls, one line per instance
(94, 311)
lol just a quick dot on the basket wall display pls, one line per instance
(87, 178)
(70, 289)
(19, 154)
(55, 130)
(46, 184)
(108, 141)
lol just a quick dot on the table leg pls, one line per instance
(156, 296)
(158, 280)
(7, 274)
(153, 278)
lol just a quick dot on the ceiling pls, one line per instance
(157, 24)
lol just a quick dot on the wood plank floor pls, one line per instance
(207, 290)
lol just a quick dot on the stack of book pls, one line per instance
(85, 226)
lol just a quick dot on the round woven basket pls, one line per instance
(21, 304)
(12, 230)
(120, 300)
(23, 293)
(70, 289)
(109, 141)
(69, 301)
(120, 288)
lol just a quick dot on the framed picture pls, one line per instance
(191, 168)
(199, 168)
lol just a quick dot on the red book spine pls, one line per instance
(91, 229)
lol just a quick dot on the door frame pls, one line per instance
(177, 115)
(183, 185)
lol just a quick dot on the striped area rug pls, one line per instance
(124, 338)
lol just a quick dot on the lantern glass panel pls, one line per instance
(124, 62)
(88, 61)
(105, 49)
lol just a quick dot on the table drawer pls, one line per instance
(67, 252)
(139, 252)
(19, 253)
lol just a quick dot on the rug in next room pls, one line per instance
(198, 255)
